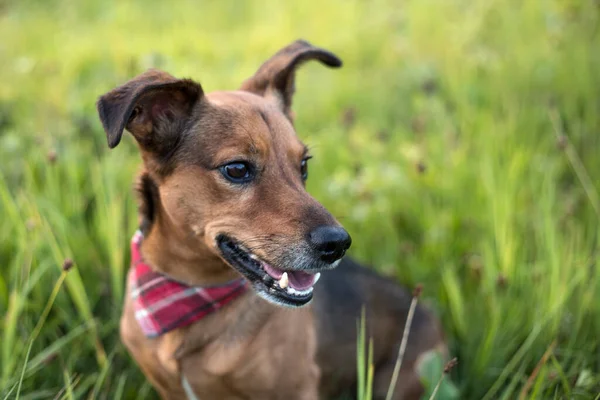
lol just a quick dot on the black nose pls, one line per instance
(331, 242)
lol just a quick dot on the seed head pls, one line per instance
(450, 364)
(417, 291)
(67, 264)
(52, 156)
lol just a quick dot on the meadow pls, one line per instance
(458, 145)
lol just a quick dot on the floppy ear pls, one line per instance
(275, 78)
(154, 107)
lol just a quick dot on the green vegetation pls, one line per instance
(458, 145)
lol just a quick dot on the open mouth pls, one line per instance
(283, 287)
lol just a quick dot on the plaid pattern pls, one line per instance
(162, 304)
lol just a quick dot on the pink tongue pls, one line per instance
(301, 280)
(274, 272)
(297, 280)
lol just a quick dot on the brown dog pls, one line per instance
(222, 196)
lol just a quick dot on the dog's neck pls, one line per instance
(182, 255)
(174, 250)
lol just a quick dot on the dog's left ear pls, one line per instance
(275, 78)
(153, 107)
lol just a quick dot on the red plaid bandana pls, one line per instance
(162, 304)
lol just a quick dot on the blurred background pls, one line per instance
(458, 145)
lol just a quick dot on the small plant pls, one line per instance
(449, 365)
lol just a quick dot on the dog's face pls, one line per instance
(228, 169)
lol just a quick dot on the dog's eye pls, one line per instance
(237, 172)
(304, 169)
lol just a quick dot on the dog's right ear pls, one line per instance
(275, 79)
(154, 107)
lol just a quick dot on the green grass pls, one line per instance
(458, 145)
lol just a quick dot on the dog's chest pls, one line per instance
(276, 363)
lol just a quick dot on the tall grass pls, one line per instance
(458, 145)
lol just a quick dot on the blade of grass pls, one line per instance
(143, 393)
(120, 387)
(68, 383)
(370, 373)
(77, 291)
(360, 354)
(536, 370)
(12, 389)
(404, 342)
(55, 346)
(576, 163)
(513, 362)
(36, 331)
(561, 373)
(102, 377)
(23, 370)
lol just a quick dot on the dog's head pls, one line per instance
(225, 173)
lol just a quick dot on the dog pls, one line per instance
(223, 300)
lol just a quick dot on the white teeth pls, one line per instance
(317, 277)
(284, 281)
(293, 291)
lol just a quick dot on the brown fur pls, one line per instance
(250, 349)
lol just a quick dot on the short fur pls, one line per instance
(251, 349)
